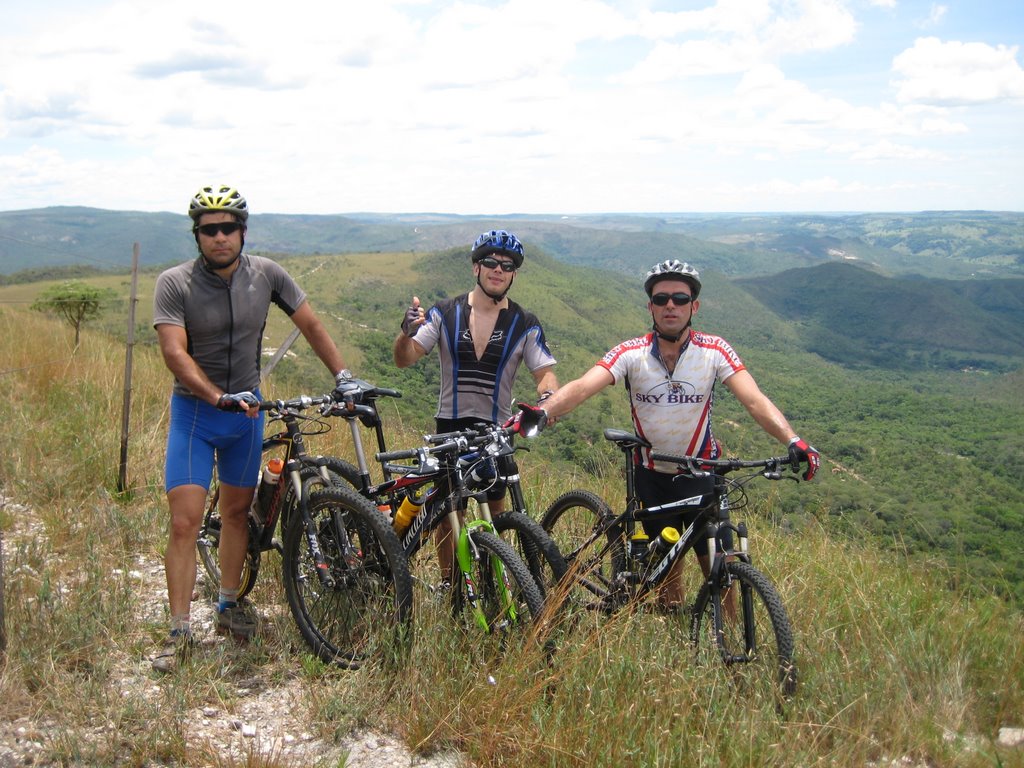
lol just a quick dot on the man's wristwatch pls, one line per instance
(343, 376)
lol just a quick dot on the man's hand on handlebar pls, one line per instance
(245, 402)
(350, 390)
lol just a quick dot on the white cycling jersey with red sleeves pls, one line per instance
(672, 409)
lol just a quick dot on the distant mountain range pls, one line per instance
(955, 244)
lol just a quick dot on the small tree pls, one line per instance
(73, 300)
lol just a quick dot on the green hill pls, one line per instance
(859, 318)
(950, 244)
(925, 457)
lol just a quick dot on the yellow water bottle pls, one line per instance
(664, 542)
(408, 509)
(638, 544)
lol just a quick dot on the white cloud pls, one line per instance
(936, 15)
(956, 73)
(472, 106)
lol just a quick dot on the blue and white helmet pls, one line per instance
(498, 241)
(673, 269)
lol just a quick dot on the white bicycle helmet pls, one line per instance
(673, 269)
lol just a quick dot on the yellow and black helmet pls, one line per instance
(218, 197)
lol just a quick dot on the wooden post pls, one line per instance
(272, 362)
(122, 474)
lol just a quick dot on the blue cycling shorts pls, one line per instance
(199, 433)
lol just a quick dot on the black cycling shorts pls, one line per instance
(655, 488)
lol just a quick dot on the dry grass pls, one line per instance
(892, 662)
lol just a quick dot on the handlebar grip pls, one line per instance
(410, 453)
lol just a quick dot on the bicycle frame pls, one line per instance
(712, 523)
(445, 465)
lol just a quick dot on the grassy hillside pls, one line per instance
(897, 660)
(859, 318)
(922, 459)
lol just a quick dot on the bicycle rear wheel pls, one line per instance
(534, 547)
(757, 643)
(505, 599)
(571, 520)
(208, 544)
(360, 605)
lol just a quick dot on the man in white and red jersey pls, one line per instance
(670, 375)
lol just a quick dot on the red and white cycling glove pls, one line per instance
(800, 451)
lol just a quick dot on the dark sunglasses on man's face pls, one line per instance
(227, 227)
(679, 299)
(488, 263)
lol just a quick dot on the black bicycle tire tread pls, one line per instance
(546, 546)
(380, 526)
(781, 626)
(574, 498)
(516, 568)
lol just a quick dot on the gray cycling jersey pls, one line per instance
(224, 321)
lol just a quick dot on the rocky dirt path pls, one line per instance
(264, 716)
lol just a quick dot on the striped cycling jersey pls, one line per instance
(481, 388)
(672, 410)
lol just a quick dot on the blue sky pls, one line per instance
(563, 106)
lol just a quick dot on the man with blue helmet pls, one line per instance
(482, 338)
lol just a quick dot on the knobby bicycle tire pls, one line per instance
(570, 520)
(534, 546)
(365, 608)
(510, 604)
(757, 645)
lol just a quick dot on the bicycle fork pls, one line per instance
(466, 552)
(719, 575)
(349, 553)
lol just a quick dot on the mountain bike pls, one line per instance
(737, 617)
(491, 584)
(480, 471)
(345, 576)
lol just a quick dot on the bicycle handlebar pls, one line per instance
(698, 467)
(449, 442)
(300, 403)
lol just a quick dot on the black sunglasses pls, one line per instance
(679, 299)
(488, 263)
(227, 227)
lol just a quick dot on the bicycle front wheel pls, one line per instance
(756, 639)
(571, 520)
(498, 594)
(358, 605)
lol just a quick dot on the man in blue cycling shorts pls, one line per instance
(670, 375)
(209, 316)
